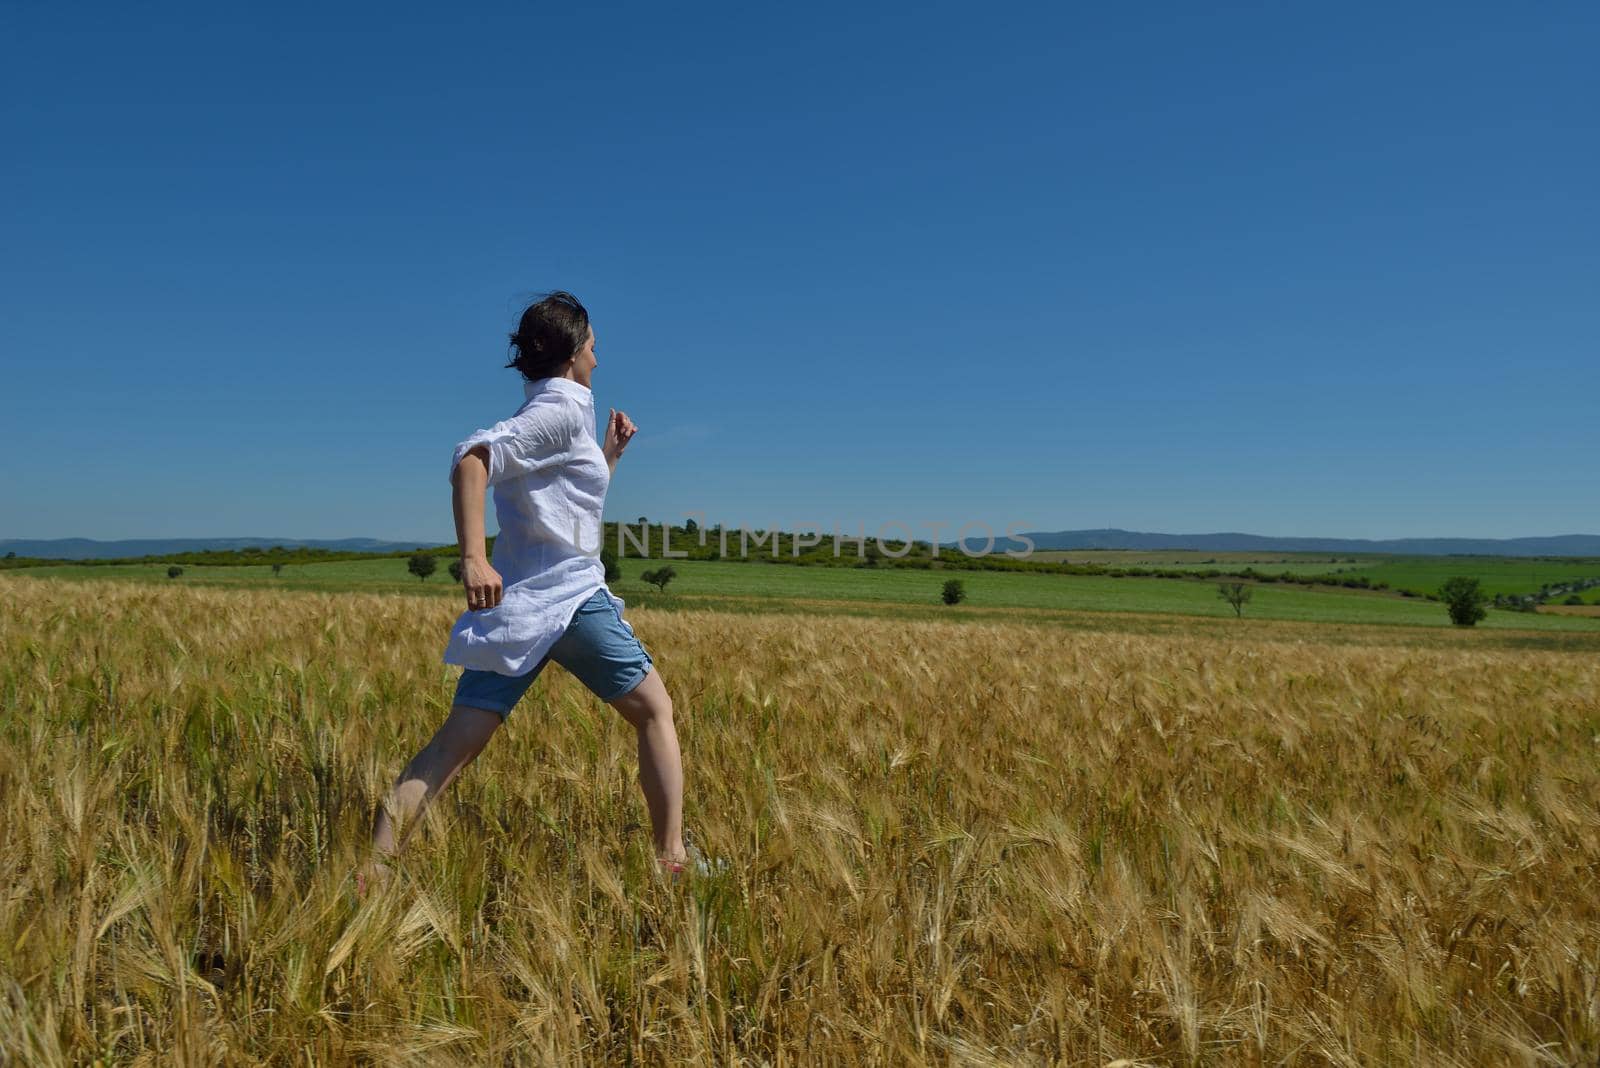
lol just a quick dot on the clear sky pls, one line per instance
(1281, 268)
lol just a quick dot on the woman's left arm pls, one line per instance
(619, 431)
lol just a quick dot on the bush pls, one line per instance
(1573, 599)
(174, 571)
(608, 559)
(1464, 598)
(455, 570)
(1236, 594)
(422, 565)
(660, 577)
(954, 592)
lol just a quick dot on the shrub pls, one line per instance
(1464, 598)
(1236, 594)
(955, 591)
(608, 559)
(455, 569)
(422, 565)
(660, 577)
(174, 571)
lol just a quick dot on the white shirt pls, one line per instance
(549, 478)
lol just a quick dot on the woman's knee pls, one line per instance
(646, 704)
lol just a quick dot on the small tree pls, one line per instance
(955, 591)
(608, 560)
(455, 569)
(1464, 599)
(422, 565)
(277, 569)
(660, 577)
(1236, 594)
(174, 571)
(691, 527)
(1573, 599)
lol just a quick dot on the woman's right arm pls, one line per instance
(469, 481)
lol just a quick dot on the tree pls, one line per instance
(1573, 599)
(691, 527)
(660, 577)
(174, 571)
(455, 569)
(608, 559)
(954, 591)
(277, 569)
(1236, 594)
(422, 565)
(11, 555)
(1464, 599)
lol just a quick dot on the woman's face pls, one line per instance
(584, 363)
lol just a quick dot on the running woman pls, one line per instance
(544, 597)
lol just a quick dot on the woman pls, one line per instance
(544, 597)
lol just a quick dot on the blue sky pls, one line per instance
(1275, 268)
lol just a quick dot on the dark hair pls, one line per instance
(550, 332)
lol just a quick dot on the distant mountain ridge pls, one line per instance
(1108, 538)
(1113, 538)
(90, 549)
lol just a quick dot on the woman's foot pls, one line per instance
(692, 862)
(370, 875)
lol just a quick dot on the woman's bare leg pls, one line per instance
(453, 747)
(649, 709)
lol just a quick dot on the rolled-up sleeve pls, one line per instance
(533, 440)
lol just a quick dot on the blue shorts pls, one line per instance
(597, 647)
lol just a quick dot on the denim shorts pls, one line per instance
(597, 647)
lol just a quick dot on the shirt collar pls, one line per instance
(560, 385)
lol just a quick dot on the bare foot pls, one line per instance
(374, 873)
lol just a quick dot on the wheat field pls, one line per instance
(990, 843)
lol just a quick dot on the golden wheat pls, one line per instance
(964, 843)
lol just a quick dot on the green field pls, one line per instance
(367, 576)
(1187, 560)
(1498, 574)
(699, 582)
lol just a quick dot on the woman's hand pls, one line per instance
(482, 583)
(619, 431)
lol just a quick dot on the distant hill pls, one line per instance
(1559, 545)
(89, 549)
